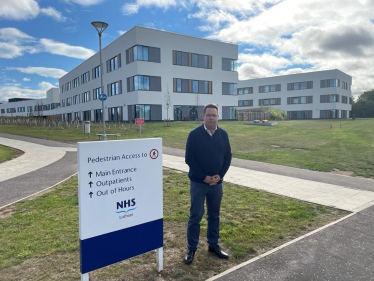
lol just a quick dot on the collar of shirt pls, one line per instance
(209, 132)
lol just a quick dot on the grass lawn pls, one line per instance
(39, 237)
(8, 153)
(320, 145)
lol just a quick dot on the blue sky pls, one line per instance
(42, 40)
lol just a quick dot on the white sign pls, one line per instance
(120, 198)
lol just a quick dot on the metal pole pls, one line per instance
(102, 90)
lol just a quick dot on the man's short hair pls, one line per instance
(210, 105)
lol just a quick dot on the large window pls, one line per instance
(344, 99)
(143, 111)
(329, 98)
(96, 93)
(269, 102)
(115, 88)
(143, 83)
(114, 63)
(76, 99)
(86, 96)
(246, 90)
(329, 114)
(68, 101)
(299, 85)
(96, 72)
(300, 100)
(85, 77)
(87, 115)
(10, 110)
(54, 105)
(29, 109)
(63, 103)
(21, 109)
(192, 59)
(192, 86)
(229, 64)
(245, 103)
(115, 114)
(330, 83)
(303, 114)
(269, 88)
(229, 88)
(143, 53)
(68, 86)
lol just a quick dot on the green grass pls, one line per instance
(7, 153)
(308, 144)
(39, 237)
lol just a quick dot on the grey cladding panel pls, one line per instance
(154, 54)
(156, 112)
(184, 86)
(226, 65)
(225, 88)
(184, 58)
(154, 83)
(225, 112)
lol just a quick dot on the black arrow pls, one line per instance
(90, 183)
(90, 194)
(90, 173)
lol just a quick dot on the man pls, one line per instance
(208, 154)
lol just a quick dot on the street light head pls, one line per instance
(100, 26)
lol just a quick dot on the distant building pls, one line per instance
(143, 65)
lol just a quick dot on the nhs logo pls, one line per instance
(126, 206)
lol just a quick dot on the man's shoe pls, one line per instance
(188, 257)
(217, 250)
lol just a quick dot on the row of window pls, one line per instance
(323, 114)
(43, 107)
(150, 54)
(296, 100)
(192, 86)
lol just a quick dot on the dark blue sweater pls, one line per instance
(207, 155)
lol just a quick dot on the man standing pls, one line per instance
(208, 154)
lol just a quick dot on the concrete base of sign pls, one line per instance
(159, 259)
(85, 277)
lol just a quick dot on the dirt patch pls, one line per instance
(343, 173)
(7, 212)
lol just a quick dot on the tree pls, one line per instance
(364, 105)
(168, 104)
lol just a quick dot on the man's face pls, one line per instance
(210, 118)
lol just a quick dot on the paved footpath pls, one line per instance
(340, 251)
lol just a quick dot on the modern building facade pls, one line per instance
(144, 69)
(320, 94)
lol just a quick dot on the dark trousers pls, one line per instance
(213, 195)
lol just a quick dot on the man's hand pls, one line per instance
(212, 180)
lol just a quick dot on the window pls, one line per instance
(96, 72)
(10, 110)
(192, 86)
(229, 88)
(77, 116)
(63, 103)
(246, 90)
(329, 98)
(2, 110)
(245, 103)
(299, 85)
(115, 88)
(75, 82)
(76, 99)
(62, 89)
(143, 111)
(269, 88)
(143, 53)
(300, 100)
(114, 63)
(29, 109)
(303, 114)
(268, 102)
(68, 101)
(96, 93)
(143, 83)
(86, 96)
(191, 59)
(330, 83)
(87, 115)
(329, 114)
(344, 99)
(115, 114)
(68, 86)
(229, 64)
(54, 105)
(85, 77)
(21, 109)
(97, 115)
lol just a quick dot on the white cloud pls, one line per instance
(129, 9)
(86, 2)
(19, 10)
(26, 79)
(9, 51)
(51, 12)
(7, 92)
(265, 60)
(63, 49)
(14, 35)
(133, 8)
(121, 32)
(42, 71)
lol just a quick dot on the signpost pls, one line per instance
(140, 122)
(120, 201)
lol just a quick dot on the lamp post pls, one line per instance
(100, 27)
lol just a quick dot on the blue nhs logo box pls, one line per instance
(120, 200)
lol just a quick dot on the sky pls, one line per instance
(41, 40)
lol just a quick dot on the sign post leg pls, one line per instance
(160, 259)
(140, 131)
(84, 277)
